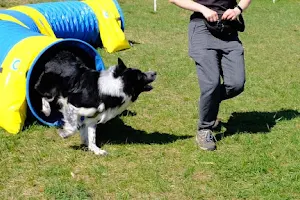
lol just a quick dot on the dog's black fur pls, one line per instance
(98, 96)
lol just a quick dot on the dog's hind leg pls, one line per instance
(91, 131)
(67, 131)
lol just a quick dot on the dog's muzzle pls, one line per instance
(150, 77)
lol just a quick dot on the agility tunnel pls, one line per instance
(22, 55)
(100, 23)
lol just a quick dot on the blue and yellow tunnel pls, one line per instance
(98, 22)
(22, 53)
(29, 34)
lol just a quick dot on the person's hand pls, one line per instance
(231, 14)
(210, 15)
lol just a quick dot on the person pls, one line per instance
(219, 59)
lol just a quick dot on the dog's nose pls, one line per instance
(153, 74)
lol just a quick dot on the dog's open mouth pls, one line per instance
(151, 76)
(148, 87)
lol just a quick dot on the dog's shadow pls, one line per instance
(116, 132)
(255, 122)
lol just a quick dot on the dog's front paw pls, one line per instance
(46, 112)
(46, 109)
(98, 151)
(101, 152)
(63, 134)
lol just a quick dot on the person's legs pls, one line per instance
(233, 69)
(208, 73)
(203, 49)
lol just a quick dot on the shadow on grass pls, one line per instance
(116, 132)
(255, 122)
(132, 42)
(31, 120)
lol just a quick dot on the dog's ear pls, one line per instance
(121, 63)
(120, 68)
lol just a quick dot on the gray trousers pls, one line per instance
(220, 69)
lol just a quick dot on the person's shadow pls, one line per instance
(255, 122)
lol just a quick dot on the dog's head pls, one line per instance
(135, 81)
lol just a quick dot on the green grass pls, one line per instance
(152, 149)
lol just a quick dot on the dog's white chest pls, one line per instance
(110, 113)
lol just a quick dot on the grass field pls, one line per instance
(152, 149)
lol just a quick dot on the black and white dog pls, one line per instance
(88, 97)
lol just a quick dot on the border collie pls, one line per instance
(87, 96)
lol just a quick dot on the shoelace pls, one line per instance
(209, 137)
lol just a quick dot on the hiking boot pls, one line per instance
(206, 140)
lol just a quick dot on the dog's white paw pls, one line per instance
(46, 112)
(101, 152)
(98, 151)
(46, 109)
(64, 134)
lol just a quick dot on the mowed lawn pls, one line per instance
(152, 150)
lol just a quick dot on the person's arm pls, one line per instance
(209, 14)
(232, 14)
